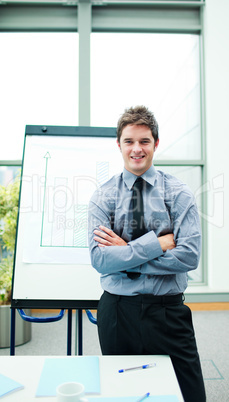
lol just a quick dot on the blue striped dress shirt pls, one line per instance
(169, 207)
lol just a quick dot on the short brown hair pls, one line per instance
(138, 115)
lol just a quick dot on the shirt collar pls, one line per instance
(149, 176)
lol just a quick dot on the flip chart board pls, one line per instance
(62, 167)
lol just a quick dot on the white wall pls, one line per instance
(216, 41)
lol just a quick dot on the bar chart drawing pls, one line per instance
(64, 223)
(102, 172)
(81, 226)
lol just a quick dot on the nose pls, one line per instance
(137, 147)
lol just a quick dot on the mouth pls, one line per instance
(137, 157)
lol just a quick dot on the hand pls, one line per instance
(167, 242)
(106, 237)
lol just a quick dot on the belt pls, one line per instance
(151, 299)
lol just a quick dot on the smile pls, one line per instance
(137, 157)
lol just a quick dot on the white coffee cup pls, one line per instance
(70, 392)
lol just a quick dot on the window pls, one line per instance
(39, 85)
(160, 71)
(8, 174)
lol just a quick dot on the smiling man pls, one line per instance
(137, 146)
(144, 237)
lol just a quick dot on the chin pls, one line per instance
(138, 172)
(139, 167)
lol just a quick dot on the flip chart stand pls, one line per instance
(91, 318)
(79, 327)
(40, 319)
(31, 319)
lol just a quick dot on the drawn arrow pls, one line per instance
(47, 157)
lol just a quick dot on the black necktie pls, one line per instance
(138, 217)
(138, 209)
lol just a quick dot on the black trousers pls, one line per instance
(157, 325)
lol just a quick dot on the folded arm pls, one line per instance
(106, 238)
(185, 256)
(110, 253)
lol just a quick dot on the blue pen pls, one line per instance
(143, 397)
(145, 366)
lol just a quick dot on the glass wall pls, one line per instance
(39, 85)
(8, 174)
(160, 71)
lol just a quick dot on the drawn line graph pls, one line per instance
(65, 224)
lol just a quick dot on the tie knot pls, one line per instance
(138, 183)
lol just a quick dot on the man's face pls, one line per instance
(137, 146)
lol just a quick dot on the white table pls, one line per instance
(160, 380)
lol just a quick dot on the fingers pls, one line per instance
(105, 233)
(108, 231)
(106, 237)
(101, 240)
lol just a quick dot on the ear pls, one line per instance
(118, 144)
(156, 144)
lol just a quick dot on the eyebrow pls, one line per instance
(131, 138)
(142, 139)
